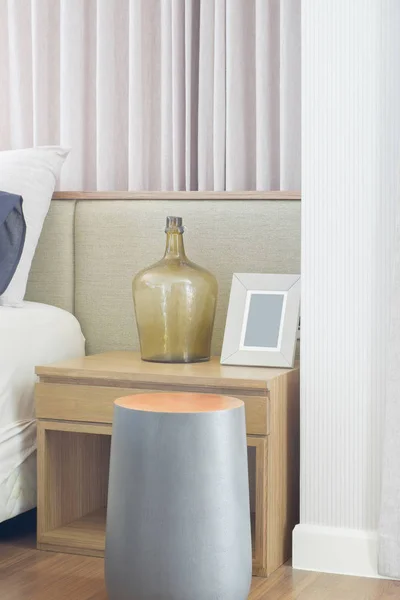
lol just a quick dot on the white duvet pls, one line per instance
(35, 334)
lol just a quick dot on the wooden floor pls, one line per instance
(27, 574)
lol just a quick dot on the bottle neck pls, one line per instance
(174, 248)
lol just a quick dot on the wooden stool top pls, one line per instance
(178, 402)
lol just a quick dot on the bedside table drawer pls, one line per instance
(95, 404)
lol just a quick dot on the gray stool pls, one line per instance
(178, 516)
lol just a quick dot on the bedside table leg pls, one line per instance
(42, 526)
(259, 517)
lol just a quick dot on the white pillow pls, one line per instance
(32, 174)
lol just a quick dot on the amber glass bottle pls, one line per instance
(175, 304)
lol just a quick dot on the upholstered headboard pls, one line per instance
(92, 245)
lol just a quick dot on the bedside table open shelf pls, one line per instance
(73, 461)
(74, 405)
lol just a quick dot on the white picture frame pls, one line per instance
(262, 320)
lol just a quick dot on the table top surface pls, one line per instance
(128, 366)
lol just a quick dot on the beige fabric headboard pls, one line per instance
(91, 248)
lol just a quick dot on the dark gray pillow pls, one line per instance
(12, 236)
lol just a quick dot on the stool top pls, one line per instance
(178, 402)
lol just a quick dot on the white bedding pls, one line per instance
(34, 334)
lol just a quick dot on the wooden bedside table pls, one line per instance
(74, 408)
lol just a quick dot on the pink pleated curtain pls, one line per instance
(156, 94)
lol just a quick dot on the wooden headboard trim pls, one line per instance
(176, 195)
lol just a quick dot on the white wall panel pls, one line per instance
(350, 162)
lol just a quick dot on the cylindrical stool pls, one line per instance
(178, 516)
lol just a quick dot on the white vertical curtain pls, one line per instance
(156, 94)
(389, 522)
(388, 223)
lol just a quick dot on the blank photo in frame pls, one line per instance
(262, 321)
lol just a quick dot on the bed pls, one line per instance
(32, 334)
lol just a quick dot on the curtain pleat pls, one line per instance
(290, 86)
(192, 40)
(74, 85)
(136, 107)
(240, 88)
(112, 118)
(166, 96)
(267, 90)
(45, 72)
(219, 96)
(206, 97)
(156, 94)
(5, 134)
(20, 73)
(178, 95)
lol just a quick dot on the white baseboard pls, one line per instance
(335, 550)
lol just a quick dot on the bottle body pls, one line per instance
(175, 303)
